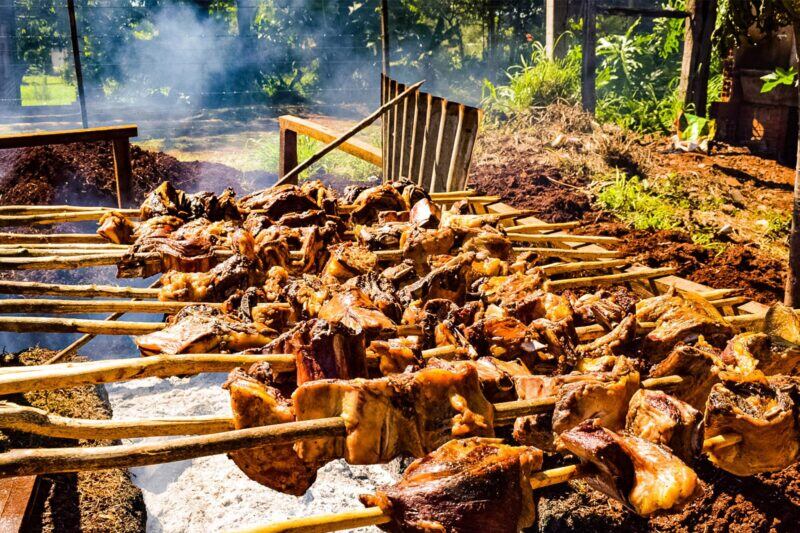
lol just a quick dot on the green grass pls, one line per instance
(39, 90)
(634, 203)
(266, 152)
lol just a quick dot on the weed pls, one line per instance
(630, 199)
(778, 224)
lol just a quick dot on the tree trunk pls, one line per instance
(792, 296)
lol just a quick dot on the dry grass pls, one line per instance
(99, 501)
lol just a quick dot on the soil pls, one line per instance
(83, 174)
(105, 500)
(768, 502)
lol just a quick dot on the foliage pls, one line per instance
(537, 82)
(47, 90)
(633, 202)
(778, 224)
(742, 19)
(781, 76)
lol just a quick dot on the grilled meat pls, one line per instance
(306, 294)
(254, 404)
(504, 338)
(644, 476)
(764, 414)
(381, 237)
(381, 291)
(234, 274)
(371, 201)
(489, 241)
(663, 419)
(275, 202)
(353, 308)
(166, 200)
(425, 214)
(323, 350)
(464, 486)
(496, 376)
(605, 307)
(446, 282)
(349, 259)
(116, 228)
(204, 329)
(508, 291)
(612, 343)
(411, 413)
(396, 355)
(419, 244)
(696, 365)
(680, 320)
(770, 354)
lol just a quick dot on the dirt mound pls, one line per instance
(769, 502)
(83, 174)
(538, 188)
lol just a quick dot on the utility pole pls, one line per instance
(76, 56)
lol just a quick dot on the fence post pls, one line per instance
(76, 56)
(121, 148)
(287, 159)
(697, 54)
(589, 59)
(554, 26)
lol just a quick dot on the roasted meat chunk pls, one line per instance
(419, 244)
(663, 419)
(396, 355)
(204, 329)
(771, 355)
(351, 307)
(764, 415)
(504, 338)
(445, 282)
(696, 366)
(491, 242)
(464, 486)
(642, 475)
(496, 376)
(680, 320)
(275, 202)
(116, 228)
(349, 259)
(425, 214)
(383, 237)
(381, 291)
(254, 403)
(371, 201)
(234, 274)
(410, 413)
(323, 350)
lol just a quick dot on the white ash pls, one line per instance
(211, 493)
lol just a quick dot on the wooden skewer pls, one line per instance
(453, 194)
(567, 253)
(76, 325)
(51, 460)
(582, 266)
(39, 422)
(607, 279)
(56, 217)
(52, 262)
(88, 247)
(542, 226)
(54, 238)
(39, 209)
(19, 252)
(729, 302)
(561, 237)
(721, 441)
(65, 375)
(46, 306)
(657, 383)
(81, 291)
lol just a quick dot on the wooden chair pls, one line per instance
(426, 139)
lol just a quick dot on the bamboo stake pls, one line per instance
(459, 195)
(657, 383)
(561, 237)
(52, 460)
(77, 325)
(39, 422)
(582, 266)
(19, 252)
(45, 306)
(53, 238)
(64, 246)
(48, 209)
(567, 253)
(295, 172)
(65, 375)
(64, 262)
(542, 226)
(57, 217)
(607, 279)
(724, 440)
(31, 288)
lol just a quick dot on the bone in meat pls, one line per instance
(663, 419)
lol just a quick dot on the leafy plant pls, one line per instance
(629, 199)
(781, 76)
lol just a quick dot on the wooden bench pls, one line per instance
(426, 139)
(120, 144)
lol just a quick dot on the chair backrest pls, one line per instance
(427, 139)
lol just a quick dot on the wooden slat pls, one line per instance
(15, 499)
(444, 146)
(464, 149)
(405, 135)
(433, 123)
(451, 167)
(354, 147)
(42, 138)
(385, 127)
(397, 127)
(418, 135)
(409, 122)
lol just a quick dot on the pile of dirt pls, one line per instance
(83, 174)
(767, 502)
(738, 266)
(105, 500)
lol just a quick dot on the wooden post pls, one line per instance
(287, 159)
(386, 67)
(792, 296)
(697, 54)
(122, 171)
(589, 60)
(555, 26)
(76, 56)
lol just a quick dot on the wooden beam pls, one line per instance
(589, 59)
(354, 147)
(287, 158)
(42, 138)
(556, 12)
(123, 174)
(648, 12)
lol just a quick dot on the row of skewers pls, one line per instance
(457, 335)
